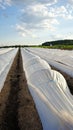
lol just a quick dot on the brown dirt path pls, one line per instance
(17, 109)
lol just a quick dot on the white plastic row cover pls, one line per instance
(61, 59)
(50, 93)
(6, 59)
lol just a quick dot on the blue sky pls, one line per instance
(35, 21)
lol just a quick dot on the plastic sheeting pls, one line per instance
(4, 50)
(6, 59)
(61, 59)
(50, 93)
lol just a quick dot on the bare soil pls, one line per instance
(17, 108)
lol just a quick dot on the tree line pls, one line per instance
(58, 42)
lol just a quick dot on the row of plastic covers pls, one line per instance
(6, 59)
(48, 89)
(61, 59)
(50, 93)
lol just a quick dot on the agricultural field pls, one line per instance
(36, 87)
(65, 47)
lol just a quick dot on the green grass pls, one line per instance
(67, 47)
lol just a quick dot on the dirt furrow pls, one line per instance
(17, 109)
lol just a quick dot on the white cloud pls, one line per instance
(68, 36)
(48, 24)
(2, 6)
(31, 29)
(62, 11)
(48, 2)
(59, 36)
(70, 1)
(38, 9)
(38, 17)
(8, 2)
(25, 32)
(4, 3)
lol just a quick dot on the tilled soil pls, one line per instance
(17, 108)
